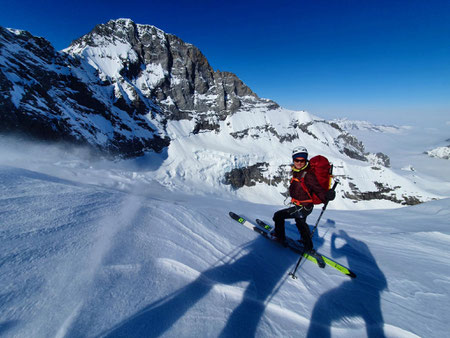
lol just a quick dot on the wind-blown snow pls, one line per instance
(93, 248)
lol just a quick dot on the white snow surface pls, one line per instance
(95, 248)
(440, 152)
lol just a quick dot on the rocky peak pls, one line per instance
(120, 30)
(45, 95)
(115, 88)
(37, 45)
(150, 63)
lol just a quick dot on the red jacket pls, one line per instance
(297, 192)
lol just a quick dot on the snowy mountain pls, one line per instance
(132, 89)
(352, 125)
(48, 95)
(440, 152)
(142, 62)
(98, 249)
(114, 89)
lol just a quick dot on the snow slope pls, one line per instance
(199, 162)
(94, 249)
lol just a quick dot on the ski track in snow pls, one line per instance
(85, 252)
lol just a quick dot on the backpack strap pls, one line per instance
(304, 187)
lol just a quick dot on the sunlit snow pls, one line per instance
(97, 248)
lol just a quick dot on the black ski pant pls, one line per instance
(299, 214)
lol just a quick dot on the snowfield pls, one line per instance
(101, 249)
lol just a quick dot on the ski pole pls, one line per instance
(292, 274)
(323, 210)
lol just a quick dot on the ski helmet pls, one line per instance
(300, 152)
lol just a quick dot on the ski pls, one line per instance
(297, 247)
(264, 225)
(263, 230)
(247, 224)
(317, 258)
(313, 257)
(339, 267)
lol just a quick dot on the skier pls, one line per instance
(301, 200)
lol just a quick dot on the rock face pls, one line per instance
(148, 63)
(383, 192)
(114, 88)
(46, 95)
(249, 176)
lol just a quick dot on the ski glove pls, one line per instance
(330, 195)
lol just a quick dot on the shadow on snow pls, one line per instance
(264, 277)
(358, 297)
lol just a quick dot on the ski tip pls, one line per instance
(233, 215)
(351, 274)
(236, 217)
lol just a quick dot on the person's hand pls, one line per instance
(330, 195)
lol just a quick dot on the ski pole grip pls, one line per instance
(332, 188)
(334, 185)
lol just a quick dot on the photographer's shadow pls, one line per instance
(358, 297)
(253, 266)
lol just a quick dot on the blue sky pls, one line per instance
(383, 61)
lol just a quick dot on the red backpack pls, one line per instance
(321, 167)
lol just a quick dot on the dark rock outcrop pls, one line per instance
(382, 193)
(250, 175)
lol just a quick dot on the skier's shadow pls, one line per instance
(263, 273)
(358, 297)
